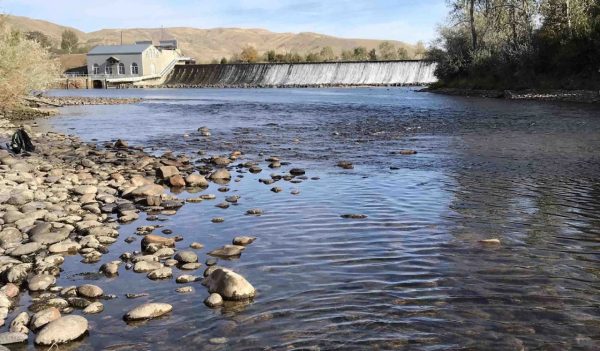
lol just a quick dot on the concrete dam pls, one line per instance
(370, 73)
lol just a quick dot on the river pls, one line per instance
(413, 274)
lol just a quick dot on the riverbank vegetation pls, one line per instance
(516, 44)
(386, 51)
(25, 66)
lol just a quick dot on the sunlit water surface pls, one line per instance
(413, 275)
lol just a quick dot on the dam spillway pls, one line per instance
(371, 73)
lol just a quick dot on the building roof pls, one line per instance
(119, 49)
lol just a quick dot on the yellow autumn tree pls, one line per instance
(25, 66)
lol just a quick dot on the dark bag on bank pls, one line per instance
(21, 142)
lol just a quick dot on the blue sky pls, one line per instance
(406, 20)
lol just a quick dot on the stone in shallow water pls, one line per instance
(243, 240)
(62, 330)
(12, 338)
(40, 282)
(44, 317)
(227, 251)
(148, 311)
(354, 216)
(230, 285)
(161, 273)
(185, 290)
(89, 290)
(93, 308)
(186, 256)
(213, 300)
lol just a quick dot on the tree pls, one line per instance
(24, 66)
(347, 55)
(327, 54)
(419, 50)
(271, 56)
(373, 55)
(69, 41)
(387, 51)
(402, 54)
(40, 38)
(360, 53)
(313, 57)
(249, 55)
(223, 61)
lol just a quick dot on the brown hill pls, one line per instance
(208, 44)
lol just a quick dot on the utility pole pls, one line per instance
(121, 37)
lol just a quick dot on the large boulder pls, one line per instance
(62, 330)
(230, 285)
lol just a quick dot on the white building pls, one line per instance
(132, 63)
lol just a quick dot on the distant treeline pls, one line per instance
(502, 44)
(69, 43)
(386, 51)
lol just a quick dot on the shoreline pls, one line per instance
(67, 199)
(580, 96)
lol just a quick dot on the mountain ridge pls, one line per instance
(206, 44)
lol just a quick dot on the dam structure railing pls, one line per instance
(317, 74)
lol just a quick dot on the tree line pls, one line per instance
(386, 51)
(493, 44)
(69, 43)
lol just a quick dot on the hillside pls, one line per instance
(207, 44)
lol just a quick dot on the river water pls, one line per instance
(413, 275)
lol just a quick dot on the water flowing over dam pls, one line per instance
(304, 74)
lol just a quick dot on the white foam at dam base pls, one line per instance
(306, 74)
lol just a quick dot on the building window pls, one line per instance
(108, 69)
(134, 68)
(96, 69)
(121, 68)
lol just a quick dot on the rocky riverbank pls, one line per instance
(60, 101)
(65, 201)
(584, 96)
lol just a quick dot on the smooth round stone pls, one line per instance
(110, 268)
(44, 317)
(186, 257)
(254, 212)
(230, 285)
(211, 261)
(93, 308)
(12, 338)
(186, 278)
(191, 266)
(89, 290)
(214, 300)
(146, 266)
(62, 330)
(243, 240)
(40, 282)
(185, 290)
(218, 220)
(148, 311)
(196, 245)
(26, 249)
(161, 273)
(171, 262)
